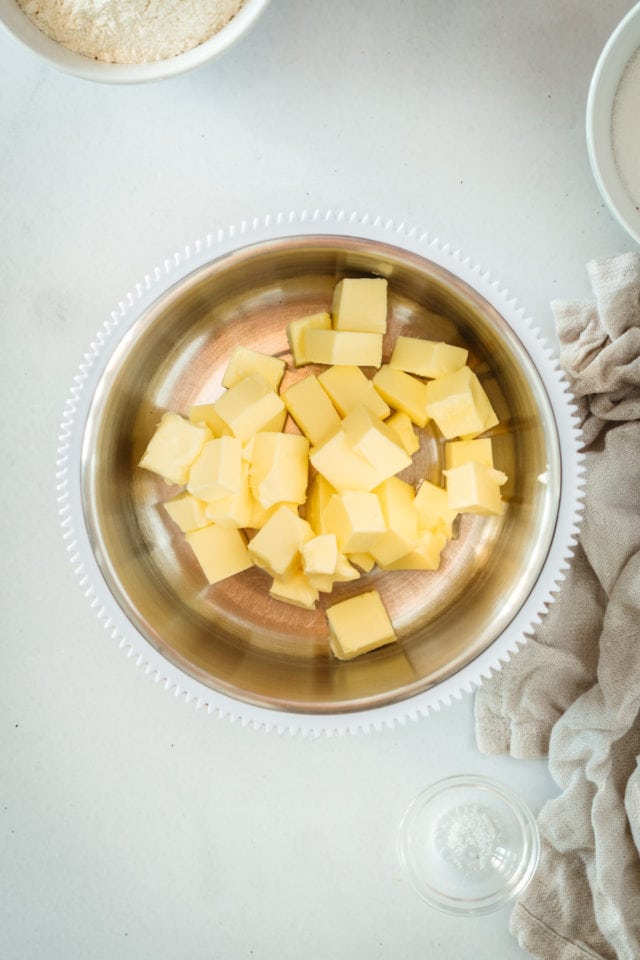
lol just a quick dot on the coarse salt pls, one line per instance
(466, 838)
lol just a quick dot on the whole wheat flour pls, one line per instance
(130, 31)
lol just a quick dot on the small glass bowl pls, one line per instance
(469, 845)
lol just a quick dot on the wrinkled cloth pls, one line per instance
(573, 691)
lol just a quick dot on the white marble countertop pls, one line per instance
(133, 825)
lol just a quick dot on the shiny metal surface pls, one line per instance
(232, 636)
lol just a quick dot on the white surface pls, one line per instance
(134, 826)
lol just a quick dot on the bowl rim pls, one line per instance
(76, 411)
(18, 25)
(611, 64)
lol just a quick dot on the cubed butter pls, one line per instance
(244, 361)
(475, 488)
(360, 304)
(295, 589)
(276, 546)
(187, 512)
(320, 554)
(404, 392)
(396, 498)
(343, 347)
(363, 560)
(342, 466)
(357, 520)
(402, 426)
(426, 358)
(217, 470)
(249, 406)
(220, 551)
(425, 555)
(431, 504)
(206, 413)
(311, 409)
(235, 510)
(279, 469)
(375, 441)
(174, 446)
(358, 625)
(459, 405)
(320, 492)
(297, 331)
(349, 387)
(457, 452)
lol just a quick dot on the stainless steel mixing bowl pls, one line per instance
(232, 637)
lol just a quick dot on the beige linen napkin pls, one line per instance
(574, 690)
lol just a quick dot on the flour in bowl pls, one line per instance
(130, 31)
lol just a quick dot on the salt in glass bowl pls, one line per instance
(469, 845)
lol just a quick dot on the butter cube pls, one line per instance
(375, 441)
(344, 571)
(349, 347)
(426, 358)
(402, 426)
(260, 514)
(276, 546)
(311, 409)
(360, 304)
(363, 560)
(279, 469)
(431, 504)
(320, 492)
(396, 498)
(296, 334)
(294, 589)
(459, 405)
(403, 392)
(320, 554)
(475, 488)
(349, 387)
(187, 512)
(235, 510)
(220, 551)
(425, 555)
(173, 447)
(249, 406)
(206, 413)
(358, 625)
(342, 466)
(457, 452)
(244, 361)
(356, 519)
(217, 470)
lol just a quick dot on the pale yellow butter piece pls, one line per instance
(426, 358)
(459, 405)
(402, 426)
(343, 347)
(360, 303)
(249, 406)
(349, 387)
(425, 555)
(342, 466)
(396, 498)
(173, 447)
(235, 510)
(431, 504)
(295, 589)
(320, 492)
(403, 392)
(187, 512)
(276, 546)
(296, 334)
(344, 572)
(260, 514)
(363, 560)
(356, 519)
(457, 452)
(475, 488)
(311, 409)
(375, 441)
(320, 554)
(279, 469)
(358, 625)
(217, 470)
(244, 361)
(220, 551)
(206, 413)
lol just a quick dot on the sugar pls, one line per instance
(625, 128)
(466, 838)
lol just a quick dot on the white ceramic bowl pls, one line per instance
(21, 27)
(616, 55)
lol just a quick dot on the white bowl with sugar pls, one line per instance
(613, 123)
(128, 41)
